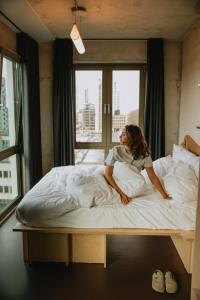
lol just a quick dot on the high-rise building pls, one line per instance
(4, 125)
(116, 96)
(99, 129)
(86, 96)
(4, 129)
(8, 168)
(88, 116)
(118, 122)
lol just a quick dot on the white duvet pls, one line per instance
(79, 196)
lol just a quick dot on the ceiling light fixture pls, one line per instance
(78, 11)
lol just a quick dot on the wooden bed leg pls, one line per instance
(184, 247)
(26, 248)
(88, 248)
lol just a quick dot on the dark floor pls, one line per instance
(131, 261)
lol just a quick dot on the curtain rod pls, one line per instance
(11, 22)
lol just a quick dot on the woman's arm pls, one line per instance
(156, 182)
(111, 181)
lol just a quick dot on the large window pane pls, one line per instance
(9, 103)
(125, 100)
(107, 98)
(9, 181)
(88, 106)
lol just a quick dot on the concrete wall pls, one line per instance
(190, 93)
(173, 57)
(189, 120)
(46, 77)
(7, 37)
(113, 51)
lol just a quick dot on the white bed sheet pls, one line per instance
(148, 211)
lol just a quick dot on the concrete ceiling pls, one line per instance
(105, 19)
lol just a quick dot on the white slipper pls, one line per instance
(170, 283)
(158, 283)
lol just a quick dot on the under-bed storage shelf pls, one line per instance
(38, 246)
(88, 245)
(61, 247)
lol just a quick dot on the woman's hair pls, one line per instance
(136, 141)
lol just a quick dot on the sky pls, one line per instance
(127, 87)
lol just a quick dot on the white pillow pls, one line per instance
(161, 167)
(181, 182)
(182, 154)
(129, 179)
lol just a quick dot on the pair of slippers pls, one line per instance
(162, 282)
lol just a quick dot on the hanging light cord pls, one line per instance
(75, 13)
(75, 3)
(76, 19)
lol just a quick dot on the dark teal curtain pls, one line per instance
(154, 106)
(63, 103)
(28, 50)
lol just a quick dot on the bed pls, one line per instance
(58, 225)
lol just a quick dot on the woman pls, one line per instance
(133, 150)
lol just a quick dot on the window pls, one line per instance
(6, 189)
(10, 103)
(5, 174)
(107, 98)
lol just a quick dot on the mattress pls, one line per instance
(147, 211)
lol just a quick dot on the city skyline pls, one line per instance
(127, 88)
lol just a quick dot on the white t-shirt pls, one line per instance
(119, 153)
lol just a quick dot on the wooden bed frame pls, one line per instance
(88, 245)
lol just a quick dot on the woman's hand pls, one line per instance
(108, 176)
(167, 197)
(156, 182)
(124, 198)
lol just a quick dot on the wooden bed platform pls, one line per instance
(88, 245)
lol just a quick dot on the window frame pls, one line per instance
(107, 69)
(15, 149)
